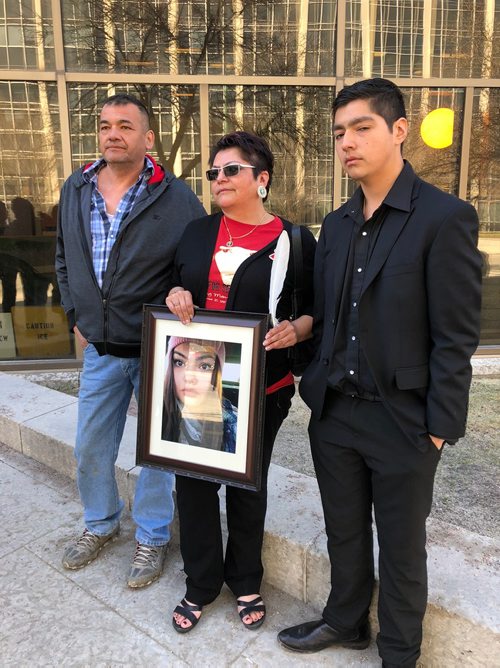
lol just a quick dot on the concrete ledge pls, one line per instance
(462, 624)
(482, 365)
(21, 401)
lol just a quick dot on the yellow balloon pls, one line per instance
(437, 128)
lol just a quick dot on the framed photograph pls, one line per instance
(201, 404)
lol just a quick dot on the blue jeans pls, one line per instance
(106, 387)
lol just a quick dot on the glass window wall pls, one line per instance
(133, 36)
(297, 124)
(244, 37)
(49, 127)
(32, 323)
(484, 193)
(26, 35)
(174, 117)
(438, 166)
(463, 35)
(409, 38)
(384, 38)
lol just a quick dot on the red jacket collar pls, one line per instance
(158, 173)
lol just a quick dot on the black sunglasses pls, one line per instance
(229, 170)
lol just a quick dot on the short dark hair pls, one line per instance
(253, 148)
(124, 98)
(384, 97)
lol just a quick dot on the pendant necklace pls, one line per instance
(229, 242)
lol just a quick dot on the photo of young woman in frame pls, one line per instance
(195, 412)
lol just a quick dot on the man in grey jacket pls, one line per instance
(120, 220)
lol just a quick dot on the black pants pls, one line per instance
(362, 458)
(200, 526)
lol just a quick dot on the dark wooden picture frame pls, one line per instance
(231, 367)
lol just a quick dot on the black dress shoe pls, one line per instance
(317, 635)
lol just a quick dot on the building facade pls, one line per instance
(205, 68)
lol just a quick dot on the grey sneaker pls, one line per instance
(147, 565)
(86, 549)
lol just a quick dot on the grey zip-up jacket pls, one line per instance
(140, 263)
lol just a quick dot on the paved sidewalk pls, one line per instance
(40, 510)
(53, 617)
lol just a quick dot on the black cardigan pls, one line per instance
(250, 286)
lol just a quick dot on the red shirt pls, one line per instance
(226, 259)
(246, 239)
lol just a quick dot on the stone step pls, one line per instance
(462, 624)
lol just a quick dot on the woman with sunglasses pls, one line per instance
(224, 261)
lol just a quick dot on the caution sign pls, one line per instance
(7, 342)
(41, 331)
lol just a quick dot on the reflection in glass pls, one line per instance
(26, 35)
(438, 166)
(484, 193)
(32, 323)
(278, 37)
(297, 123)
(384, 38)
(409, 38)
(464, 38)
(29, 124)
(174, 117)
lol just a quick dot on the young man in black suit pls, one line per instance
(397, 283)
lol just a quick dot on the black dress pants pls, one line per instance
(200, 523)
(362, 458)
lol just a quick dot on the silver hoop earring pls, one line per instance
(262, 191)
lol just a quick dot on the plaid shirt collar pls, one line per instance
(90, 172)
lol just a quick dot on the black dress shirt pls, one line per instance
(349, 371)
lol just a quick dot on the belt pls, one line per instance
(349, 390)
(367, 396)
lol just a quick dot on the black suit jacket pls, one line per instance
(419, 309)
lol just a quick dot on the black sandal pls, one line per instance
(186, 610)
(257, 605)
